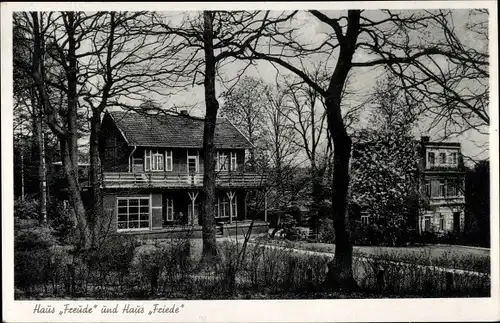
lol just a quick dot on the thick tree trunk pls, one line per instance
(74, 194)
(340, 273)
(69, 146)
(209, 253)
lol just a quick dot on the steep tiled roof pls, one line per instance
(175, 131)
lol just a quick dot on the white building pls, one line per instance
(443, 183)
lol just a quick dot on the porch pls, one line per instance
(180, 180)
(164, 210)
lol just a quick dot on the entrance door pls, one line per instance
(456, 221)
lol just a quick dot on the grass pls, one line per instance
(448, 256)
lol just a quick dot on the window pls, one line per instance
(435, 188)
(365, 219)
(133, 213)
(452, 185)
(442, 158)
(442, 187)
(153, 160)
(147, 160)
(427, 223)
(234, 164)
(441, 221)
(168, 161)
(431, 158)
(427, 188)
(454, 158)
(222, 161)
(223, 207)
(192, 164)
(170, 209)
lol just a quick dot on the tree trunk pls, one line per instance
(209, 253)
(74, 194)
(316, 192)
(96, 204)
(340, 274)
(42, 171)
(69, 146)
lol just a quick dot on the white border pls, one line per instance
(372, 310)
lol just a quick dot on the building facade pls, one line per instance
(439, 183)
(152, 175)
(443, 185)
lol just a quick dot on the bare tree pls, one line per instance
(62, 122)
(387, 39)
(205, 43)
(244, 105)
(307, 116)
(28, 110)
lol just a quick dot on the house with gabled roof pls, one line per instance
(152, 174)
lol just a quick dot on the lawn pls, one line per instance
(449, 256)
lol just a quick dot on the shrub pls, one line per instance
(290, 231)
(113, 255)
(326, 231)
(60, 219)
(38, 237)
(33, 257)
(369, 235)
(26, 208)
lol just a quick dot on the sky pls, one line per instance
(362, 81)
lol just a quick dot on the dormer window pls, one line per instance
(234, 164)
(153, 160)
(222, 161)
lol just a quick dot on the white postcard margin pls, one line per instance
(369, 310)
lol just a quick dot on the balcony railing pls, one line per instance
(169, 180)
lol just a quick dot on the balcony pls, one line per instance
(448, 200)
(169, 180)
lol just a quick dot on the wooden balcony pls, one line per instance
(173, 180)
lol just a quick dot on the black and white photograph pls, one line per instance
(158, 154)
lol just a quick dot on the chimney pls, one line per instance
(425, 139)
(184, 113)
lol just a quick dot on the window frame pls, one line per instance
(151, 158)
(441, 221)
(427, 219)
(365, 219)
(195, 158)
(454, 158)
(226, 161)
(221, 206)
(169, 160)
(442, 158)
(128, 199)
(169, 209)
(233, 161)
(431, 158)
(442, 188)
